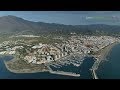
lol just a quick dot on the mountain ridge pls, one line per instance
(14, 24)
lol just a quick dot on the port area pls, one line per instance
(63, 73)
(94, 74)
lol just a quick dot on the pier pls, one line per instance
(65, 73)
(65, 61)
(95, 67)
(94, 74)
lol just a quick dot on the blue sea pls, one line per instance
(110, 69)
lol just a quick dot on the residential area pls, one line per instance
(45, 53)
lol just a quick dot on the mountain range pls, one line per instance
(17, 25)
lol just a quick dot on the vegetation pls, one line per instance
(21, 65)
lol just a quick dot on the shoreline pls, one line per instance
(22, 70)
(28, 71)
(103, 53)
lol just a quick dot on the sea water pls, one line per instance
(110, 69)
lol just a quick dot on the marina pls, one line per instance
(77, 61)
(79, 72)
(62, 72)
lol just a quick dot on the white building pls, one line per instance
(16, 47)
(3, 52)
(12, 52)
(30, 59)
(37, 46)
(49, 58)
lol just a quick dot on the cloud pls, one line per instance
(89, 18)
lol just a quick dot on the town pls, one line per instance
(45, 53)
(42, 53)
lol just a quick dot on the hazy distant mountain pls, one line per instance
(13, 24)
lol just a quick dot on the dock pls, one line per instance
(94, 74)
(65, 73)
(94, 68)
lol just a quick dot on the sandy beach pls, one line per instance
(101, 56)
(103, 53)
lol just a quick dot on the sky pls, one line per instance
(68, 17)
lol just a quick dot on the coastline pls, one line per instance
(102, 54)
(100, 57)
(25, 71)
(22, 70)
